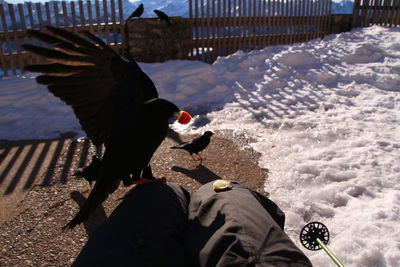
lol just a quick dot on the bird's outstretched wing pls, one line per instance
(103, 89)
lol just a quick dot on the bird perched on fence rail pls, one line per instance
(115, 102)
(162, 16)
(137, 13)
(196, 145)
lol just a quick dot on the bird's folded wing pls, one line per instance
(84, 72)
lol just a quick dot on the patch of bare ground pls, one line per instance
(32, 235)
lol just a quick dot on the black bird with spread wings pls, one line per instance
(196, 145)
(137, 13)
(162, 16)
(115, 102)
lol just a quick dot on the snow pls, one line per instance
(324, 115)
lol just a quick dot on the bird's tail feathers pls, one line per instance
(100, 192)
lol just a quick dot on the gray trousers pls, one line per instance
(161, 225)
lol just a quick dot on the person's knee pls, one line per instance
(234, 224)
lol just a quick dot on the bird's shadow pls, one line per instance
(174, 136)
(97, 217)
(201, 173)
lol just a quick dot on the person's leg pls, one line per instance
(238, 227)
(147, 229)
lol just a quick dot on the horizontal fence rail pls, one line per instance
(103, 18)
(221, 27)
(376, 12)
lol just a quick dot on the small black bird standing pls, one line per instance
(162, 16)
(115, 102)
(196, 145)
(137, 13)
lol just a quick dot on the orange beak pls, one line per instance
(183, 117)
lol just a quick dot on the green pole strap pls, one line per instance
(330, 253)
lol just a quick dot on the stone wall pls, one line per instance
(341, 23)
(153, 40)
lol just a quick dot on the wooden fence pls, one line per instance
(376, 12)
(221, 27)
(105, 19)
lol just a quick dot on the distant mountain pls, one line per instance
(170, 7)
(342, 7)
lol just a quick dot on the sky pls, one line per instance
(324, 115)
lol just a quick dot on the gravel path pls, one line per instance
(30, 233)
